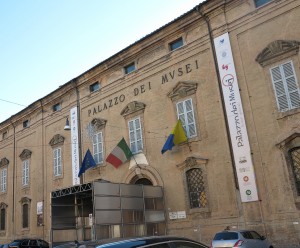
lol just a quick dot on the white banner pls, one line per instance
(75, 146)
(236, 120)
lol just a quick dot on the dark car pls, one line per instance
(29, 243)
(149, 242)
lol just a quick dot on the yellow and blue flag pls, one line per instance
(175, 138)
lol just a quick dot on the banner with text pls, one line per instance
(236, 120)
(75, 146)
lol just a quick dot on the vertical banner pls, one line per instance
(236, 120)
(39, 211)
(75, 145)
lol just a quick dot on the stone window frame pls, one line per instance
(25, 201)
(194, 162)
(131, 111)
(287, 145)
(274, 54)
(3, 206)
(25, 155)
(97, 125)
(182, 91)
(57, 142)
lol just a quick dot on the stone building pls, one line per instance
(229, 70)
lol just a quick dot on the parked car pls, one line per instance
(151, 242)
(29, 243)
(240, 239)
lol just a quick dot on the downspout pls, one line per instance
(13, 189)
(198, 9)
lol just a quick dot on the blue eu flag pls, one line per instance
(87, 162)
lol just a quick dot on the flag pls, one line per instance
(87, 163)
(120, 154)
(176, 137)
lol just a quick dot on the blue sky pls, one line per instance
(46, 43)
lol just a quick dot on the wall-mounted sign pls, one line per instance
(74, 145)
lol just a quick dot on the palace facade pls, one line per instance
(229, 71)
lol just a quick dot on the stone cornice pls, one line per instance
(3, 162)
(57, 140)
(182, 89)
(25, 154)
(98, 123)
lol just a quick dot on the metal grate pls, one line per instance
(295, 155)
(196, 188)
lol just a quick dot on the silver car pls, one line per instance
(240, 239)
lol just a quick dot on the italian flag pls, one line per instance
(120, 154)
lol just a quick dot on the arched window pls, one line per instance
(196, 188)
(295, 159)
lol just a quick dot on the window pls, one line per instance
(56, 107)
(94, 87)
(196, 188)
(129, 68)
(26, 123)
(98, 147)
(185, 113)
(285, 86)
(57, 162)
(259, 3)
(2, 219)
(176, 44)
(25, 172)
(4, 135)
(135, 135)
(295, 159)
(3, 180)
(25, 209)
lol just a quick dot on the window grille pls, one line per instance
(196, 188)
(135, 135)
(295, 159)
(98, 147)
(2, 221)
(25, 216)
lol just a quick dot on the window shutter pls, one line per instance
(98, 148)
(185, 113)
(292, 85)
(135, 135)
(279, 89)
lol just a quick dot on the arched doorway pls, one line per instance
(144, 181)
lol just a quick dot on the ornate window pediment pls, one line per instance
(3, 162)
(25, 200)
(98, 123)
(57, 140)
(182, 89)
(284, 143)
(191, 162)
(3, 205)
(25, 154)
(278, 48)
(133, 107)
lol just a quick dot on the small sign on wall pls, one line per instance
(177, 215)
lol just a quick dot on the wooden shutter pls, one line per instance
(135, 135)
(185, 113)
(98, 148)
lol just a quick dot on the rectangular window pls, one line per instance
(259, 3)
(25, 172)
(94, 87)
(4, 135)
(57, 162)
(135, 135)
(3, 180)
(285, 86)
(26, 123)
(185, 113)
(2, 220)
(56, 107)
(98, 147)
(129, 68)
(25, 216)
(176, 44)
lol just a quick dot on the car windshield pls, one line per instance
(226, 236)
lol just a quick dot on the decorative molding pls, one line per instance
(277, 48)
(3, 205)
(98, 123)
(182, 89)
(57, 140)
(282, 144)
(3, 162)
(191, 162)
(25, 154)
(25, 200)
(133, 107)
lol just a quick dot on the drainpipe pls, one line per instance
(13, 188)
(205, 17)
